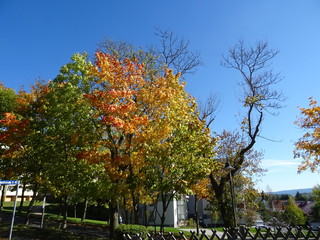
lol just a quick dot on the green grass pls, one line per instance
(51, 212)
(28, 232)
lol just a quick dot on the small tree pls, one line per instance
(294, 215)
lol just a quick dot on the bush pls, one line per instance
(132, 230)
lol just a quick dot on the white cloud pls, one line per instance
(279, 163)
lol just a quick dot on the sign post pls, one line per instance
(12, 182)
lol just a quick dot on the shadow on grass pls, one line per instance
(22, 232)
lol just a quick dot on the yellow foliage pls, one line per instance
(308, 146)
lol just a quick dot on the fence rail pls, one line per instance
(242, 233)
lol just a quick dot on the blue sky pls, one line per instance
(37, 37)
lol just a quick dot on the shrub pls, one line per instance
(132, 230)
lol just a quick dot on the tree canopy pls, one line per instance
(107, 125)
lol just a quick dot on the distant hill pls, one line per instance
(293, 192)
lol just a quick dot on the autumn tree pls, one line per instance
(258, 99)
(48, 130)
(172, 52)
(308, 146)
(7, 100)
(7, 104)
(70, 131)
(182, 160)
(145, 126)
(23, 137)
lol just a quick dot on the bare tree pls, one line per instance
(175, 53)
(253, 63)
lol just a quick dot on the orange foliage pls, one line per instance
(133, 112)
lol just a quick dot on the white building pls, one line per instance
(11, 193)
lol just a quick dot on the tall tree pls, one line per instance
(308, 146)
(7, 104)
(70, 130)
(139, 118)
(258, 99)
(224, 186)
(23, 131)
(182, 160)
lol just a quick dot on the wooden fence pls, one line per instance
(239, 233)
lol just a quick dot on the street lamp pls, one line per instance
(229, 168)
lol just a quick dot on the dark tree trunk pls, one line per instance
(114, 217)
(75, 210)
(24, 186)
(63, 226)
(60, 207)
(31, 204)
(3, 196)
(223, 203)
(135, 209)
(196, 216)
(165, 204)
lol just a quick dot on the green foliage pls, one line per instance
(7, 100)
(293, 215)
(316, 208)
(130, 229)
(303, 196)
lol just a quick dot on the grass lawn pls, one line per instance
(27, 232)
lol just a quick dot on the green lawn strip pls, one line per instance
(175, 231)
(55, 217)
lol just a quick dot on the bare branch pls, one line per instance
(208, 109)
(175, 53)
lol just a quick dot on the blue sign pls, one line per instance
(9, 182)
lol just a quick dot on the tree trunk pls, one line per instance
(64, 214)
(85, 209)
(3, 195)
(196, 212)
(135, 209)
(113, 218)
(31, 204)
(75, 210)
(60, 207)
(165, 204)
(126, 213)
(224, 206)
(24, 186)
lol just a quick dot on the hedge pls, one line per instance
(131, 230)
